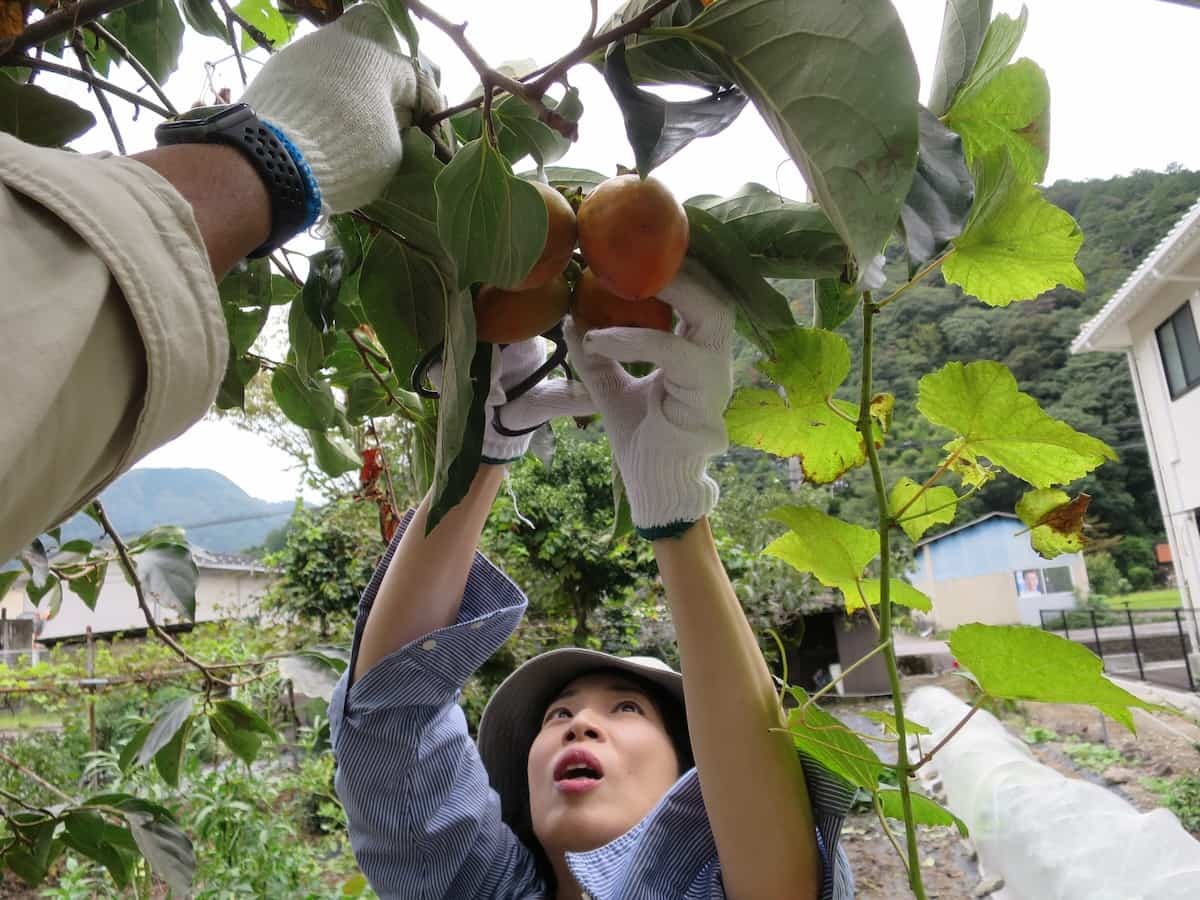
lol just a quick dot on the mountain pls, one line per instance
(215, 513)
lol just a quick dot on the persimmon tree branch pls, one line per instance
(85, 66)
(56, 23)
(97, 83)
(253, 33)
(134, 63)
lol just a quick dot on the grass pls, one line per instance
(1167, 598)
(1096, 757)
(29, 719)
(1181, 796)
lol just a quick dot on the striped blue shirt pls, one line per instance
(425, 823)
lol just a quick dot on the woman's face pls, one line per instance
(601, 762)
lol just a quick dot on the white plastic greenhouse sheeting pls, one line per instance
(1050, 837)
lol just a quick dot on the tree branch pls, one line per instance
(36, 778)
(926, 757)
(85, 65)
(95, 81)
(131, 575)
(51, 26)
(255, 34)
(122, 51)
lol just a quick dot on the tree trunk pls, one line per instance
(582, 632)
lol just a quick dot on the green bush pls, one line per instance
(1104, 576)
(1141, 578)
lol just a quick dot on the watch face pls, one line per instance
(208, 115)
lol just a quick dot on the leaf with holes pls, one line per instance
(1055, 521)
(1012, 111)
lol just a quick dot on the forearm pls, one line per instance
(750, 775)
(228, 198)
(423, 587)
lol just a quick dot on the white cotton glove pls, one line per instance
(341, 96)
(550, 398)
(665, 427)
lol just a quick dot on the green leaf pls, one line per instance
(87, 586)
(460, 413)
(1020, 662)
(251, 283)
(153, 32)
(246, 719)
(88, 833)
(900, 592)
(34, 559)
(522, 134)
(31, 857)
(888, 721)
(963, 27)
(238, 372)
(404, 294)
(365, 397)
(51, 591)
(98, 52)
(939, 203)
(168, 574)
(833, 745)
(79, 546)
(835, 552)
(130, 752)
(847, 115)
(836, 301)
(785, 239)
(239, 728)
(397, 11)
(36, 116)
(934, 506)
(320, 293)
(664, 60)
(167, 849)
(812, 364)
(409, 205)
(492, 223)
(1012, 111)
(924, 810)
(6, 581)
(980, 403)
(763, 312)
(169, 760)
(169, 722)
(308, 348)
(1055, 521)
(658, 129)
(306, 401)
(333, 456)
(244, 326)
(565, 177)
(202, 17)
(999, 44)
(267, 19)
(159, 534)
(129, 803)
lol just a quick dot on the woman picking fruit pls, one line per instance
(594, 776)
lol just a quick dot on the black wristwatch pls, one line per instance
(295, 198)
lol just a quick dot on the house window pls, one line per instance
(1051, 580)
(1180, 349)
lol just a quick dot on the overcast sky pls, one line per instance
(1119, 72)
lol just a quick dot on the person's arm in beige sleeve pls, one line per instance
(115, 341)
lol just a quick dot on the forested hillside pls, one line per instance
(1122, 219)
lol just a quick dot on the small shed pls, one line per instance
(987, 571)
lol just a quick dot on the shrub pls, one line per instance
(1181, 796)
(1140, 578)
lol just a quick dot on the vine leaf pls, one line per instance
(934, 506)
(1012, 111)
(847, 116)
(888, 721)
(980, 403)
(784, 238)
(835, 552)
(1000, 42)
(812, 364)
(153, 32)
(492, 223)
(658, 129)
(963, 28)
(1055, 521)
(1016, 244)
(832, 744)
(939, 202)
(1020, 662)
(763, 312)
(924, 810)
(900, 592)
(37, 116)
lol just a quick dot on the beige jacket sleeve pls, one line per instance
(113, 340)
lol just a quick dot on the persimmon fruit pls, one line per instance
(595, 306)
(505, 317)
(561, 233)
(634, 235)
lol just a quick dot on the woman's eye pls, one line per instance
(561, 712)
(628, 706)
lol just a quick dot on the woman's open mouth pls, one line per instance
(577, 772)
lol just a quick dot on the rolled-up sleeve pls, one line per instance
(114, 339)
(424, 821)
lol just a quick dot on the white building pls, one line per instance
(1152, 320)
(229, 587)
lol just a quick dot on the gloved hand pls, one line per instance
(341, 95)
(550, 398)
(665, 427)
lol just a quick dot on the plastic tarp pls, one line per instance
(1048, 836)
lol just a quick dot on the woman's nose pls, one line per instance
(582, 726)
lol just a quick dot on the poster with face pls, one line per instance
(1029, 582)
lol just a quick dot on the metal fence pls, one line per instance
(1149, 644)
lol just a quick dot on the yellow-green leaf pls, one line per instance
(924, 810)
(901, 592)
(833, 745)
(267, 19)
(835, 552)
(1055, 521)
(1012, 111)
(932, 506)
(980, 403)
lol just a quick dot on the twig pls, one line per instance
(916, 279)
(85, 64)
(858, 662)
(132, 576)
(94, 80)
(136, 64)
(58, 22)
(887, 830)
(255, 34)
(234, 43)
(363, 352)
(36, 778)
(591, 32)
(837, 412)
(926, 757)
(387, 471)
(285, 266)
(929, 482)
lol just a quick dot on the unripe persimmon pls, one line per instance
(634, 234)
(561, 231)
(505, 317)
(595, 306)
